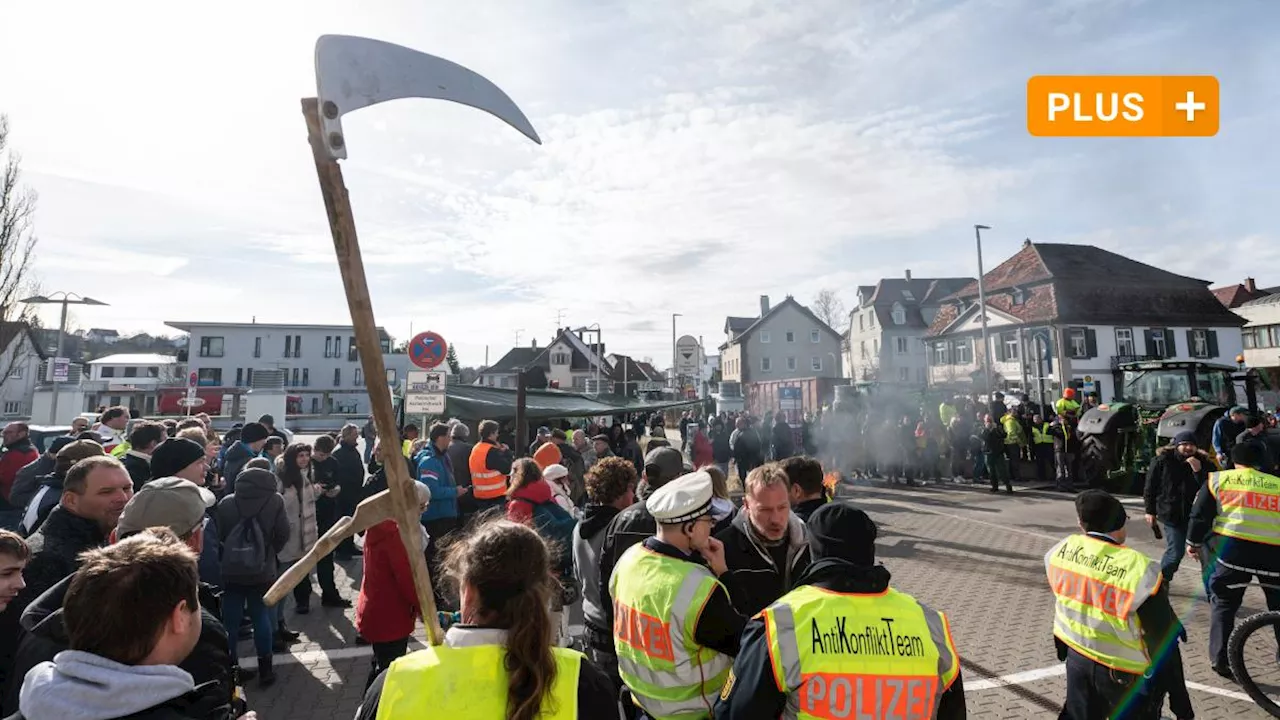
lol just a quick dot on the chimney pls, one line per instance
(534, 344)
(908, 274)
(1250, 285)
(764, 305)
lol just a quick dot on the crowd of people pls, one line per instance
(694, 605)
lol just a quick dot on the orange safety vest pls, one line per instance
(486, 484)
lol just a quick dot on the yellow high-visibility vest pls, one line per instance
(470, 683)
(1041, 434)
(657, 601)
(1248, 505)
(840, 655)
(1099, 588)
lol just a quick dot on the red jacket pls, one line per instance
(703, 452)
(537, 493)
(15, 457)
(387, 606)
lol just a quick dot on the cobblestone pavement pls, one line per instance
(977, 556)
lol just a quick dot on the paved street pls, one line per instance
(974, 555)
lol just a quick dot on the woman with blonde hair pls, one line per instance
(501, 653)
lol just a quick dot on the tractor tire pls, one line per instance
(1099, 456)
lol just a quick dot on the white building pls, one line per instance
(1071, 313)
(569, 363)
(20, 366)
(132, 379)
(884, 341)
(1261, 336)
(321, 367)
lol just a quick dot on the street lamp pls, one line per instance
(65, 300)
(675, 379)
(982, 308)
(599, 350)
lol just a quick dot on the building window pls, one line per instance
(211, 346)
(875, 348)
(766, 364)
(860, 328)
(337, 377)
(1124, 342)
(315, 406)
(940, 353)
(1078, 339)
(328, 346)
(560, 358)
(506, 381)
(816, 363)
(16, 372)
(1010, 346)
(900, 345)
(131, 372)
(1019, 296)
(306, 377)
(153, 371)
(815, 337)
(963, 352)
(791, 337)
(294, 379)
(248, 377)
(207, 376)
(904, 374)
(108, 371)
(1159, 344)
(1250, 338)
(239, 377)
(862, 349)
(12, 407)
(358, 377)
(352, 354)
(791, 363)
(1200, 343)
(765, 337)
(257, 347)
(288, 346)
(898, 314)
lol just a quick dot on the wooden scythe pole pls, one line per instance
(403, 495)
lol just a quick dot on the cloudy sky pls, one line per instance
(697, 154)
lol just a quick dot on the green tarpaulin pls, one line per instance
(476, 402)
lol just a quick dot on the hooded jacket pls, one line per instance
(435, 470)
(255, 496)
(754, 693)
(1172, 485)
(233, 461)
(82, 686)
(209, 662)
(754, 580)
(55, 551)
(300, 508)
(588, 541)
(387, 606)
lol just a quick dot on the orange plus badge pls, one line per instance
(1122, 106)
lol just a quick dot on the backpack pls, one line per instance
(555, 524)
(244, 553)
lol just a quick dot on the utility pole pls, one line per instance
(982, 308)
(518, 334)
(559, 318)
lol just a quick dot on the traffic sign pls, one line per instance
(190, 402)
(427, 350)
(687, 359)
(425, 392)
(193, 380)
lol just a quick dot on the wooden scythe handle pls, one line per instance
(347, 247)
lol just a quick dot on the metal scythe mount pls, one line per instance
(353, 73)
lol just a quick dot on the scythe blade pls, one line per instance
(355, 72)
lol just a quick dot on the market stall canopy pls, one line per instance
(475, 402)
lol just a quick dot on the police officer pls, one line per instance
(1112, 612)
(843, 643)
(1041, 447)
(675, 631)
(1237, 512)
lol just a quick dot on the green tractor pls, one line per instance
(1155, 400)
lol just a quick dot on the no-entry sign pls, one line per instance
(427, 350)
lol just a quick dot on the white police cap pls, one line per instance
(686, 498)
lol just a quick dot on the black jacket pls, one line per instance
(629, 527)
(805, 508)
(209, 662)
(256, 496)
(752, 692)
(350, 473)
(27, 481)
(139, 470)
(992, 438)
(720, 449)
(45, 501)
(1260, 442)
(233, 461)
(784, 445)
(1172, 485)
(459, 453)
(754, 579)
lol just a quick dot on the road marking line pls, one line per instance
(1025, 676)
(1219, 691)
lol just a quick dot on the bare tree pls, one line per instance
(17, 206)
(829, 308)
